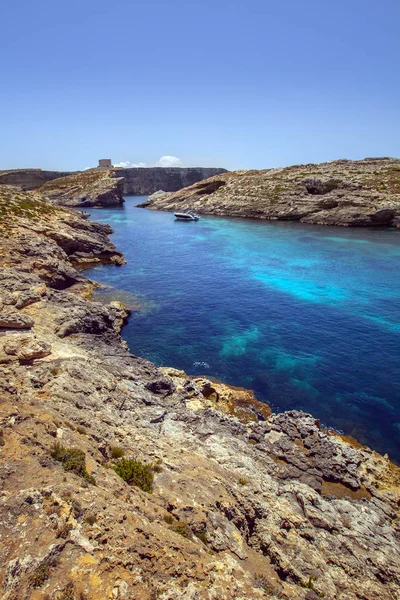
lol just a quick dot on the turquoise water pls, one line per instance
(307, 316)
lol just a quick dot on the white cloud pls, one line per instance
(170, 161)
(163, 161)
(126, 164)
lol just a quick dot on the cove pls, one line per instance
(306, 316)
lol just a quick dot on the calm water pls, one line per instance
(307, 316)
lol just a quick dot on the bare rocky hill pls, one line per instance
(363, 193)
(124, 481)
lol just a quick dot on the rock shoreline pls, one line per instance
(363, 193)
(245, 503)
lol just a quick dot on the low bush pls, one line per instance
(168, 519)
(202, 537)
(91, 519)
(135, 473)
(182, 528)
(43, 572)
(117, 452)
(73, 460)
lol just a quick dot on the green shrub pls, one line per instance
(73, 460)
(43, 572)
(182, 528)
(117, 452)
(243, 481)
(202, 537)
(81, 430)
(135, 473)
(168, 519)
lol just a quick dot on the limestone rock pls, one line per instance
(147, 180)
(27, 348)
(363, 193)
(245, 503)
(94, 187)
(15, 320)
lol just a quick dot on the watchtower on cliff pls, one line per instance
(104, 163)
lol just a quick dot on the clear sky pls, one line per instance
(251, 84)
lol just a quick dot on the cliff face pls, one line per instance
(29, 179)
(94, 187)
(225, 501)
(362, 193)
(149, 180)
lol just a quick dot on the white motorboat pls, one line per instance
(188, 215)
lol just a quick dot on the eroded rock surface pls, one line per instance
(245, 503)
(363, 193)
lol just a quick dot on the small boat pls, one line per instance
(188, 215)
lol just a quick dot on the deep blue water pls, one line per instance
(307, 316)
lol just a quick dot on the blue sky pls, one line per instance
(251, 84)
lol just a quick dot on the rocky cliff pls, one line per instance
(149, 180)
(121, 480)
(94, 187)
(363, 193)
(29, 179)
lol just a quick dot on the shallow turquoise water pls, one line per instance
(307, 316)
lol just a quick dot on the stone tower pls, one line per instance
(104, 163)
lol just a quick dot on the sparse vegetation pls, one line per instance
(309, 585)
(168, 518)
(91, 518)
(63, 531)
(135, 473)
(81, 430)
(243, 481)
(43, 572)
(68, 593)
(117, 452)
(202, 536)
(182, 528)
(261, 581)
(73, 460)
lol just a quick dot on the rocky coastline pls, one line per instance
(237, 503)
(364, 193)
(105, 186)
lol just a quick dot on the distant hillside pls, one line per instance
(361, 193)
(141, 180)
(29, 179)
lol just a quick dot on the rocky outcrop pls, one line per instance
(138, 181)
(241, 503)
(363, 193)
(94, 187)
(30, 179)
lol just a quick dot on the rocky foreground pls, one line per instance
(223, 501)
(363, 193)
